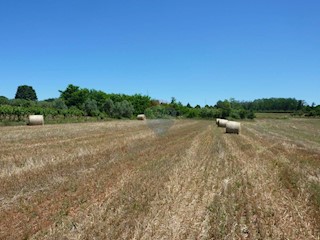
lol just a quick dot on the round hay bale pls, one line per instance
(35, 120)
(141, 117)
(222, 123)
(233, 127)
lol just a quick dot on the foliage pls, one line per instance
(108, 107)
(209, 113)
(26, 92)
(274, 104)
(161, 111)
(4, 100)
(22, 103)
(225, 107)
(91, 107)
(74, 96)
(100, 98)
(59, 104)
(77, 102)
(140, 103)
(251, 115)
(123, 109)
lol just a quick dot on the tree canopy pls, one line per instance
(26, 92)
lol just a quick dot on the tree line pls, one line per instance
(77, 102)
(280, 105)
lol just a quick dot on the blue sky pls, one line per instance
(198, 51)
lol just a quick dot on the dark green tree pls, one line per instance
(26, 92)
(4, 100)
(225, 106)
(99, 96)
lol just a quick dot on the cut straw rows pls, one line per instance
(195, 182)
(281, 214)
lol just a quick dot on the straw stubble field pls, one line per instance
(120, 180)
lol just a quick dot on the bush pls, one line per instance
(4, 100)
(234, 114)
(251, 115)
(160, 112)
(192, 113)
(22, 103)
(108, 107)
(91, 107)
(123, 109)
(59, 104)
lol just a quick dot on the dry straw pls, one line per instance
(233, 127)
(141, 117)
(222, 123)
(35, 120)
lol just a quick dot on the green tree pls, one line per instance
(74, 96)
(140, 103)
(26, 92)
(225, 106)
(243, 113)
(251, 115)
(108, 107)
(59, 104)
(100, 97)
(193, 113)
(160, 112)
(91, 107)
(4, 100)
(123, 109)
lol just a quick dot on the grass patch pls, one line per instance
(5, 123)
(315, 194)
(273, 115)
(289, 178)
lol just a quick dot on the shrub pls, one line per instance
(251, 115)
(123, 109)
(91, 108)
(108, 107)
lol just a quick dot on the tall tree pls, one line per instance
(26, 92)
(74, 96)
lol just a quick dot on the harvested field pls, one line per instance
(122, 180)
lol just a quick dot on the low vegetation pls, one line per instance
(122, 180)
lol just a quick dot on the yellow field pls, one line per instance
(121, 180)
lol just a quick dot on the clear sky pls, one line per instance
(198, 51)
